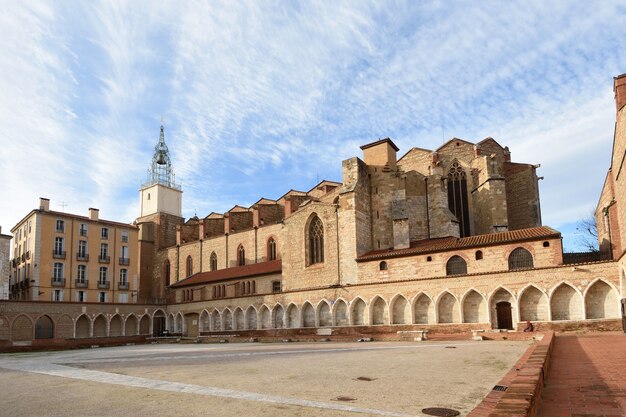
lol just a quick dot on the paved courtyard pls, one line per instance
(278, 379)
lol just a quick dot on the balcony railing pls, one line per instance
(58, 254)
(104, 259)
(82, 283)
(122, 285)
(124, 261)
(104, 285)
(82, 256)
(58, 282)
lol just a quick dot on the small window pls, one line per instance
(103, 275)
(124, 236)
(57, 295)
(189, 266)
(104, 233)
(81, 276)
(383, 266)
(82, 229)
(429, 259)
(102, 297)
(276, 287)
(241, 256)
(166, 271)
(546, 244)
(60, 226)
(456, 266)
(81, 296)
(57, 271)
(271, 249)
(104, 252)
(123, 276)
(479, 255)
(122, 298)
(213, 263)
(148, 196)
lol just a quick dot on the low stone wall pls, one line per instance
(63, 344)
(525, 383)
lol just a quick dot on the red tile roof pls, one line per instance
(453, 243)
(225, 274)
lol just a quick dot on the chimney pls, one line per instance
(619, 87)
(93, 213)
(44, 204)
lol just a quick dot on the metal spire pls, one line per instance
(160, 171)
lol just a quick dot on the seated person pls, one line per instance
(529, 327)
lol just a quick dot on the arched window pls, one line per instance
(316, 241)
(456, 266)
(271, 249)
(241, 256)
(457, 197)
(479, 255)
(166, 271)
(520, 258)
(189, 266)
(213, 263)
(383, 266)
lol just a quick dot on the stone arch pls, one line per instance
(566, 303)
(358, 309)
(227, 319)
(340, 313)
(205, 321)
(602, 300)
(131, 327)
(83, 327)
(400, 310)
(324, 316)
(252, 318)
(423, 309)
(65, 327)
(500, 310)
(191, 324)
(474, 307)
(144, 323)
(378, 311)
(292, 316)
(216, 321)
(239, 321)
(5, 329)
(278, 315)
(448, 310)
(159, 322)
(266, 317)
(44, 327)
(99, 326)
(115, 326)
(308, 315)
(533, 304)
(171, 326)
(22, 328)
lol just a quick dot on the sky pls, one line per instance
(259, 97)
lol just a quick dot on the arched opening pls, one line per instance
(241, 255)
(479, 255)
(457, 197)
(475, 308)
(292, 316)
(423, 310)
(325, 317)
(171, 324)
(167, 272)
(456, 266)
(65, 327)
(189, 266)
(99, 327)
(271, 249)
(205, 322)
(115, 326)
(401, 311)
(266, 319)
(315, 241)
(251, 319)
(566, 304)
(341, 313)
(448, 309)
(308, 315)
(602, 301)
(130, 327)
(378, 311)
(44, 328)
(22, 329)
(216, 322)
(279, 317)
(358, 312)
(382, 266)
(533, 305)
(502, 303)
(144, 324)
(213, 261)
(82, 327)
(158, 323)
(240, 322)
(227, 320)
(191, 325)
(520, 258)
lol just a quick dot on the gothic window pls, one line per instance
(316, 241)
(213, 261)
(457, 197)
(241, 256)
(271, 249)
(456, 266)
(189, 266)
(166, 271)
(520, 258)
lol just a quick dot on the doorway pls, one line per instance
(504, 317)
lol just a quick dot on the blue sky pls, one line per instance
(261, 97)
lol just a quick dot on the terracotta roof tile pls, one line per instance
(453, 243)
(225, 274)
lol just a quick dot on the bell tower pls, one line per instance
(160, 193)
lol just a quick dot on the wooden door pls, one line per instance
(504, 316)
